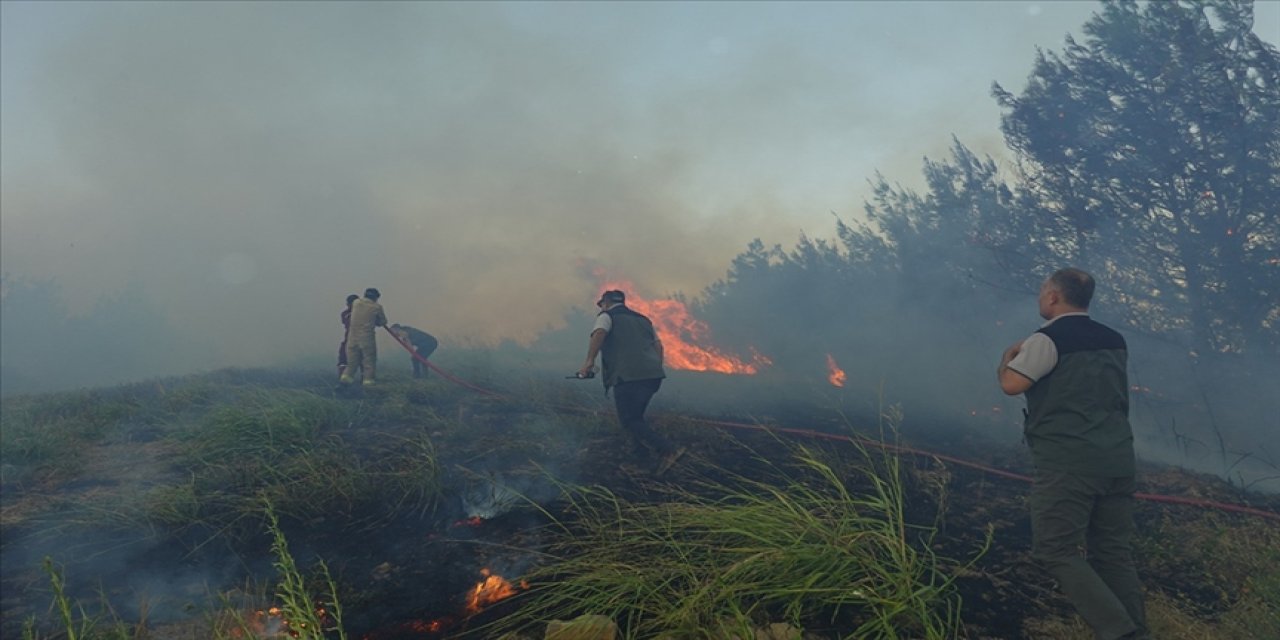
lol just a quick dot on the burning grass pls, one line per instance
(307, 616)
(299, 612)
(408, 494)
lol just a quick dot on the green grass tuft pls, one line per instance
(813, 544)
(309, 617)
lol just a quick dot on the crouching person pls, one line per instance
(422, 343)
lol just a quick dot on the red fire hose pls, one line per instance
(445, 374)
(896, 448)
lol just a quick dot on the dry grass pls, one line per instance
(1210, 575)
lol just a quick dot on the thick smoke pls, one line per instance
(245, 167)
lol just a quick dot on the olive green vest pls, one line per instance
(1078, 413)
(629, 352)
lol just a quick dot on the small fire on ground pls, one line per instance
(490, 590)
(686, 339)
(835, 375)
(272, 623)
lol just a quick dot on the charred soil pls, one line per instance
(429, 504)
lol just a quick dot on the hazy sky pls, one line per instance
(249, 164)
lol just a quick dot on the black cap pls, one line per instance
(352, 298)
(613, 295)
(372, 293)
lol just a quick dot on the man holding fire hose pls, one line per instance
(631, 358)
(421, 344)
(1073, 372)
(362, 347)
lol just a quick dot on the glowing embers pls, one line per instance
(272, 623)
(428, 626)
(835, 375)
(685, 339)
(491, 589)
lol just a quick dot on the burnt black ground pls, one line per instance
(398, 577)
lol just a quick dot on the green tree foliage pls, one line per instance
(767, 286)
(1151, 152)
(1148, 152)
(968, 233)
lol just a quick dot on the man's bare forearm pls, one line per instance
(593, 349)
(1007, 357)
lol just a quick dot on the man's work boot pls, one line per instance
(368, 382)
(345, 379)
(669, 460)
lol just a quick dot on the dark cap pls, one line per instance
(372, 293)
(352, 298)
(613, 295)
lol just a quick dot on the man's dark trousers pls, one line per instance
(1070, 511)
(420, 369)
(631, 400)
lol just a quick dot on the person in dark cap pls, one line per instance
(423, 344)
(362, 347)
(631, 359)
(346, 326)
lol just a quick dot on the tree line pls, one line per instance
(1147, 152)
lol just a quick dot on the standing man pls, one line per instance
(1073, 371)
(631, 355)
(423, 344)
(346, 326)
(362, 348)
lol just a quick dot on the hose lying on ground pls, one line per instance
(896, 448)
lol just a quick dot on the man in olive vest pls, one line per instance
(1073, 372)
(362, 347)
(631, 357)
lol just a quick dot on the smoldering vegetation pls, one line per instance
(245, 503)
(1136, 157)
(1146, 153)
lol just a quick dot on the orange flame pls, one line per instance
(427, 626)
(488, 591)
(835, 375)
(684, 338)
(270, 623)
